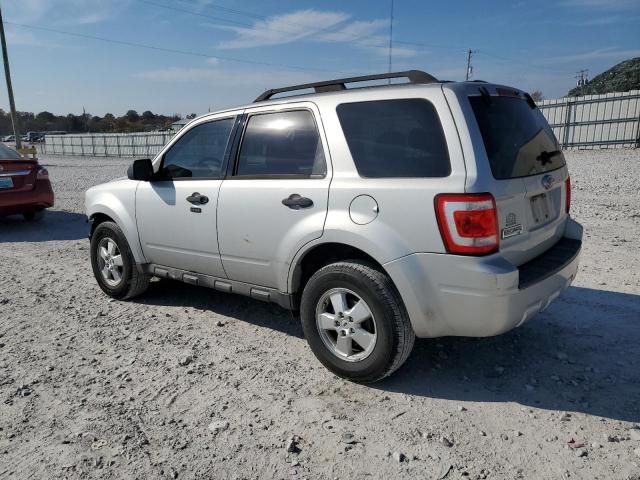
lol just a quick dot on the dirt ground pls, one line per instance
(186, 382)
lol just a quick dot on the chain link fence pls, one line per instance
(107, 144)
(595, 121)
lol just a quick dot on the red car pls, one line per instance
(24, 185)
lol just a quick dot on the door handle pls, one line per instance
(296, 202)
(197, 199)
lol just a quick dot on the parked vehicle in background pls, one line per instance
(379, 213)
(9, 138)
(33, 137)
(24, 186)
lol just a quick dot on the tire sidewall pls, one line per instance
(111, 230)
(381, 357)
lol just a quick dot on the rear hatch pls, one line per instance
(528, 169)
(17, 174)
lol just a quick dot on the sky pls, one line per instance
(184, 56)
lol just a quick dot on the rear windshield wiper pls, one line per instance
(545, 157)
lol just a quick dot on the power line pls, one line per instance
(173, 50)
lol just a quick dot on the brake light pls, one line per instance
(42, 173)
(567, 189)
(468, 223)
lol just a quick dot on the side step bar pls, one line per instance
(225, 285)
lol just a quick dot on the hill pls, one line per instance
(622, 77)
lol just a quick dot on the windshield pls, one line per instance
(517, 138)
(7, 153)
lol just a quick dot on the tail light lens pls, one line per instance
(468, 223)
(42, 173)
(567, 189)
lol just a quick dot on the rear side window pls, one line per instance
(518, 140)
(281, 144)
(395, 138)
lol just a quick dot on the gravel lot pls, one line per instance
(186, 382)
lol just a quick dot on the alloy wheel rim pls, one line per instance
(110, 262)
(346, 324)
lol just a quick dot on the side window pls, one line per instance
(395, 138)
(281, 144)
(199, 152)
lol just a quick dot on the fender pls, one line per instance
(117, 201)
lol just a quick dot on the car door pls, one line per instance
(275, 199)
(176, 212)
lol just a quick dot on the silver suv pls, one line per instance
(379, 213)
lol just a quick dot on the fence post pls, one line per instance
(104, 141)
(567, 123)
(118, 144)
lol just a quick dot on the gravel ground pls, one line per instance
(186, 382)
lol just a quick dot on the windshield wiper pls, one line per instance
(545, 157)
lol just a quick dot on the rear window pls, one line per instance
(518, 140)
(7, 153)
(395, 138)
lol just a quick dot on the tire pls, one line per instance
(388, 326)
(34, 215)
(129, 282)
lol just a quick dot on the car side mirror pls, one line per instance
(141, 169)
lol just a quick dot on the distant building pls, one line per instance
(179, 124)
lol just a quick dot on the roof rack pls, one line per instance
(414, 76)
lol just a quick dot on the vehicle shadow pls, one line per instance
(581, 355)
(56, 225)
(167, 292)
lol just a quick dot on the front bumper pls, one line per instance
(482, 296)
(19, 202)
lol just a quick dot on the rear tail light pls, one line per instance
(42, 172)
(567, 189)
(468, 223)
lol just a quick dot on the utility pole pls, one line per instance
(12, 104)
(390, 37)
(469, 67)
(582, 77)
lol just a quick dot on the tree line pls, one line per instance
(131, 121)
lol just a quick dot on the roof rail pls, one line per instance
(414, 76)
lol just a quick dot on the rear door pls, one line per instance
(17, 174)
(527, 167)
(275, 199)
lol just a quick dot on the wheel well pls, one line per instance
(98, 218)
(322, 255)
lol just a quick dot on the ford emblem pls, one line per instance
(547, 182)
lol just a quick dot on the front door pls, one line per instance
(176, 213)
(275, 201)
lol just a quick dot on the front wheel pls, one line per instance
(113, 264)
(355, 321)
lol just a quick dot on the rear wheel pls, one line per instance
(34, 215)
(355, 321)
(113, 264)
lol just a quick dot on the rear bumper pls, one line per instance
(482, 296)
(40, 197)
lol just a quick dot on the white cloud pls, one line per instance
(62, 12)
(318, 26)
(212, 62)
(281, 29)
(600, 53)
(602, 4)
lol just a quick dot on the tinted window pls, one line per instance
(284, 143)
(517, 138)
(7, 153)
(395, 138)
(199, 152)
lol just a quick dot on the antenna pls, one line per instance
(469, 72)
(390, 37)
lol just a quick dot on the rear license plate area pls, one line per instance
(6, 183)
(540, 208)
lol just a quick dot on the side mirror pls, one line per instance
(141, 170)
